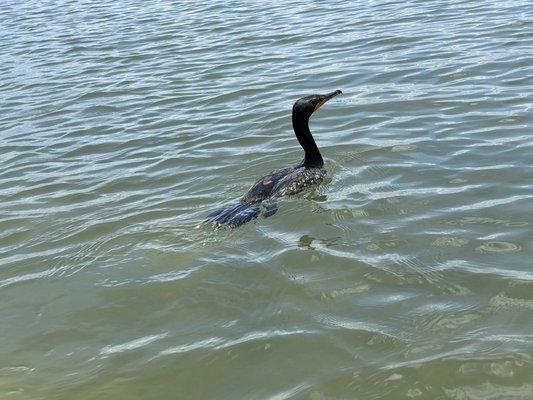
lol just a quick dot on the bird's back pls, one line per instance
(263, 188)
(284, 182)
(298, 180)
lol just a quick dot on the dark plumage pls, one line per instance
(282, 182)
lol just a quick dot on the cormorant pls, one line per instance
(282, 182)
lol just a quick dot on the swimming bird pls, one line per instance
(285, 181)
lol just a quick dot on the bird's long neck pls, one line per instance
(313, 158)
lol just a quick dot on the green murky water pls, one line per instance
(408, 275)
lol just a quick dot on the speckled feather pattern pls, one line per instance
(284, 182)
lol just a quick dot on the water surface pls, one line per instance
(407, 275)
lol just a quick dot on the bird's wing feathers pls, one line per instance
(298, 180)
(262, 189)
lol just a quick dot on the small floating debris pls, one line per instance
(450, 241)
(403, 147)
(458, 180)
(498, 247)
(305, 241)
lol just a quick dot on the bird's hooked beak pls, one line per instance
(326, 97)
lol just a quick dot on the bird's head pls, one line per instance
(309, 104)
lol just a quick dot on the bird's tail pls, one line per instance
(234, 215)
